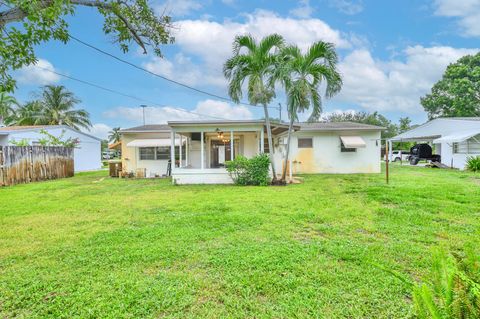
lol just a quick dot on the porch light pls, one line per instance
(219, 133)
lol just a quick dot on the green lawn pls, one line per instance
(94, 247)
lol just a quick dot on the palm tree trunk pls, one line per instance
(270, 142)
(290, 129)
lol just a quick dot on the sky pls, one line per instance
(390, 55)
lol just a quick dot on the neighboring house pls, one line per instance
(87, 154)
(201, 148)
(454, 139)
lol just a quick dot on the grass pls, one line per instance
(94, 247)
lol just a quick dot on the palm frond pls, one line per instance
(272, 41)
(244, 41)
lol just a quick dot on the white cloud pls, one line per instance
(38, 74)
(304, 10)
(182, 69)
(204, 110)
(99, 130)
(209, 43)
(212, 41)
(178, 8)
(349, 7)
(467, 11)
(394, 85)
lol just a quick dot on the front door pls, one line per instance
(220, 153)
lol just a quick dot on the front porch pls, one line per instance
(209, 145)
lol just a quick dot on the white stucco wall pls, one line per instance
(87, 155)
(131, 155)
(325, 155)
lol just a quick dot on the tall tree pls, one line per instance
(255, 63)
(126, 21)
(58, 108)
(114, 135)
(302, 76)
(458, 92)
(374, 118)
(404, 124)
(7, 105)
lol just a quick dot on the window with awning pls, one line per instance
(152, 142)
(351, 143)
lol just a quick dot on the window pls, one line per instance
(147, 153)
(163, 153)
(344, 149)
(160, 153)
(305, 142)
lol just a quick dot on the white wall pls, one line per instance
(325, 155)
(87, 155)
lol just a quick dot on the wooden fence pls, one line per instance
(25, 164)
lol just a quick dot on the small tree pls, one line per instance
(254, 62)
(301, 75)
(114, 135)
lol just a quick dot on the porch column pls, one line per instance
(202, 151)
(186, 151)
(172, 148)
(231, 145)
(262, 142)
(181, 146)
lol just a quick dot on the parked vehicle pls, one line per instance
(422, 152)
(397, 156)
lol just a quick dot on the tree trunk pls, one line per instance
(270, 142)
(290, 128)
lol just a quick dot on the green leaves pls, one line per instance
(458, 92)
(252, 171)
(473, 164)
(302, 74)
(126, 21)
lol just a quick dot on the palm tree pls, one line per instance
(254, 62)
(27, 114)
(114, 135)
(58, 108)
(301, 76)
(7, 105)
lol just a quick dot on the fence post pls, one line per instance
(2, 171)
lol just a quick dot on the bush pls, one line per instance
(252, 171)
(451, 291)
(473, 164)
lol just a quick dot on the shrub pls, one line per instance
(451, 291)
(252, 171)
(473, 164)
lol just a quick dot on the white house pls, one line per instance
(87, 155)
(454, 139)
(199, 149)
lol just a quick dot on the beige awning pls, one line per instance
(353, 141)
(152, 142)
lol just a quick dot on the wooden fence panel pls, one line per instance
(25, 164)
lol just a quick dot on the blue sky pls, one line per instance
(391, 52)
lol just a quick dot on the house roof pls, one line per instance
(19, 128)
(279, 127)
(215, 122)
(147, 128)
(439, 127)
(337, 126)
